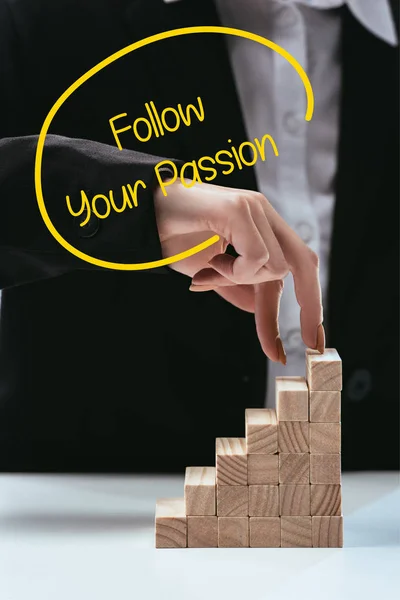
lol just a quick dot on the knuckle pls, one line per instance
(279, 268)
(237, 277)
(240, 202)
(261, 258)
(261, 200)
(244, 273)
(313, 258)
(257, 201)
(281, 273)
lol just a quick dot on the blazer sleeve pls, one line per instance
(29, 251)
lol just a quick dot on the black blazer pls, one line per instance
(128, 371)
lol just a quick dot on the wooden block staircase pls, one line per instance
(280, 485)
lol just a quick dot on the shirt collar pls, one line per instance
(374, 15)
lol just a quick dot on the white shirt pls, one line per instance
(300, 182)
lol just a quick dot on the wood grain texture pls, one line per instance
(325, 468)
(294, 468)
(263, 469)
(170, 523)
(200, 497)
(231, 461)
(295, 500)
(263, 500)
(327, 532)
(296, 532)
(261, 431)
(325, 407)
(265, 532)
(326, 500)
(293, 437)
(233, 532)
(325, 438)
(291, 398)
(233, 500)
(202, 532)
(324, 371)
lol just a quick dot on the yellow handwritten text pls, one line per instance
(159, 37)
(169, 119)
(101, 204)
(255, 151)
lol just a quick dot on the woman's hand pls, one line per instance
(267, 247)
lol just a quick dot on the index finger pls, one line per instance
(304, 265)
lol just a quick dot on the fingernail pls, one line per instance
(320, 339)
(200, 288)
(281, 351)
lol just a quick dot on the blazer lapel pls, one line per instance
(368, 107)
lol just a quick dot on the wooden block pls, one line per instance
(325, 438)
(231, 461)
(293, 437)
(294, 468)
(265, 532)
(171, 523)
(263, 500)
(326, 500)
(261, 431)
(202, 532)
(324, 371)
(327, 532)
(325, 468)
(295, 500)
(296, 532)
(200, 491)
(233, 532)
(232, 500)
(291, 398)
(263, 469)
(325, 407)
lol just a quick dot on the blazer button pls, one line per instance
(359, 385)
(90, 228)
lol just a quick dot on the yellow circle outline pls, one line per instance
(104, 63)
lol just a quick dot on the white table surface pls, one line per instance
(84, 538)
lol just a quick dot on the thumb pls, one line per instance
(267, 301)
(218, 274)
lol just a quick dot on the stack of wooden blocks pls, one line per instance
(280, 486)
